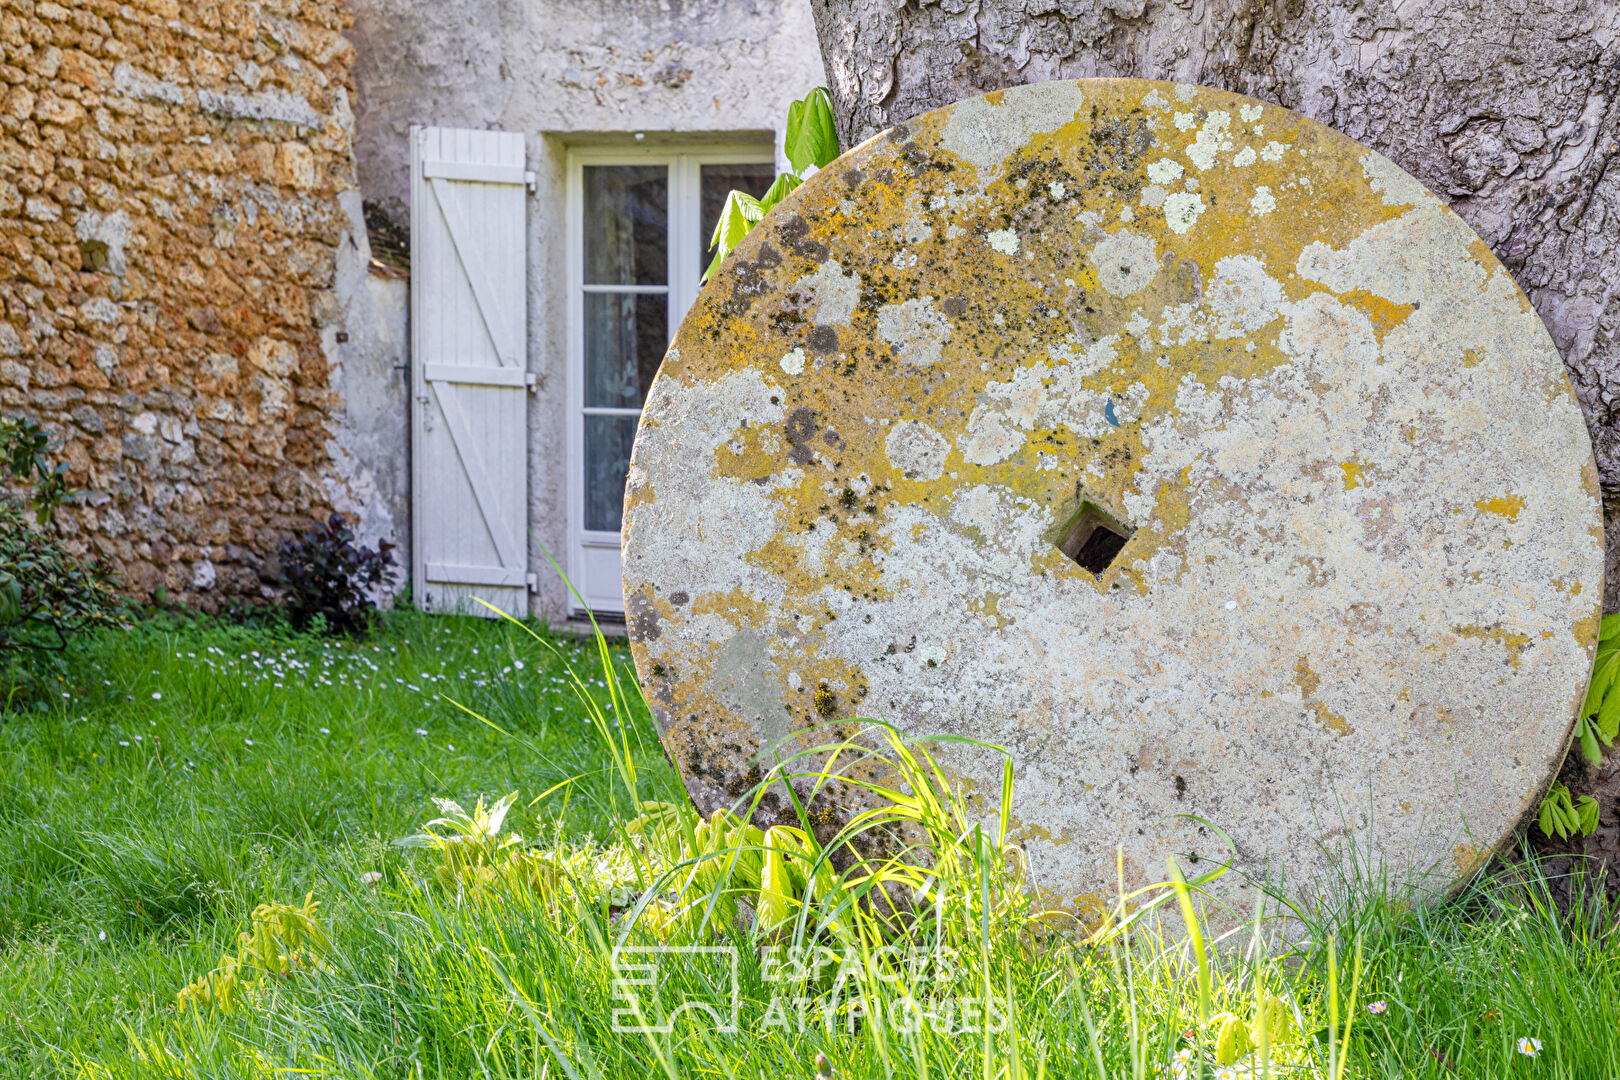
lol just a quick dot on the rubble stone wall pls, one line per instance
(170, 224)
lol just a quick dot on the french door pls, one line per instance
(639, 223)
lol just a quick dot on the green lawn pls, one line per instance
(187, 772)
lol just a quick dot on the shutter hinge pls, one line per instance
(530, 182)
(533, 582)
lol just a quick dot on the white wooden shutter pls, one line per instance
(469, 371)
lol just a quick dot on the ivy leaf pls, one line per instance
(810, 137)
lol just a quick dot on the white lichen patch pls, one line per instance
(1003, 240)
(836, 293)
(1126, 262)
(916, 450)
(793, 361)
(916, 330)
(1181, 210)
(983, 134)
(1263, 202)
(1245, 157)
(1165, 171)
(988, 438)
(1213, 139)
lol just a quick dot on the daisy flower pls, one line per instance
(1530, 1047)
(1377, 1007)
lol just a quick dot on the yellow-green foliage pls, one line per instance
(467, 844)
(283, 939)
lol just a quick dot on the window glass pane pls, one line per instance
(718, 181)
(626, 224)
(608, 440)
(625, 338)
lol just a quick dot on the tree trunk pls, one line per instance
(1508, 109)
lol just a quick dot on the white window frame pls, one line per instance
(685, 195)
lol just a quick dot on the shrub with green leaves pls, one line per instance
(46, 592)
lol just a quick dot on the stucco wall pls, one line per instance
(565, 73)
(170, 225)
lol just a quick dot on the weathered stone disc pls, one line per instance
(1321, 456)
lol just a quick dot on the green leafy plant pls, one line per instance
(467, 844)
(1596, 729)
(1561, 817)
(24, 453)
(1600, 713)
(43, 586)
(810, 140)
(283, 940)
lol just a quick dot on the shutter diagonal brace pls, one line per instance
(473, 466)
(474, 268)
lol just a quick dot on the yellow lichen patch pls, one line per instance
(1384, 315)
(1515, 643)
(1308, 681)
(1507, 506)
(1586, 630)
(1352, 474)
(736, 606)
(1469, 858)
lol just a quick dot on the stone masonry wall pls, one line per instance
(170, 172)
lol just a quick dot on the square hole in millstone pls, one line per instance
(1094, 539)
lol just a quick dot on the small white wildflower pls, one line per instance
(123, 742)
(326, 731)
(248, 741)
(1530, 1047)
(1377, 1007)
(370, 877)
(156, 696)
(421, 731)
(518, 664)
(450, 746)
(102, 936)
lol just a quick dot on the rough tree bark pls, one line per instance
(1507, 108)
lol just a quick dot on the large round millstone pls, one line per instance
(1183, 446)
